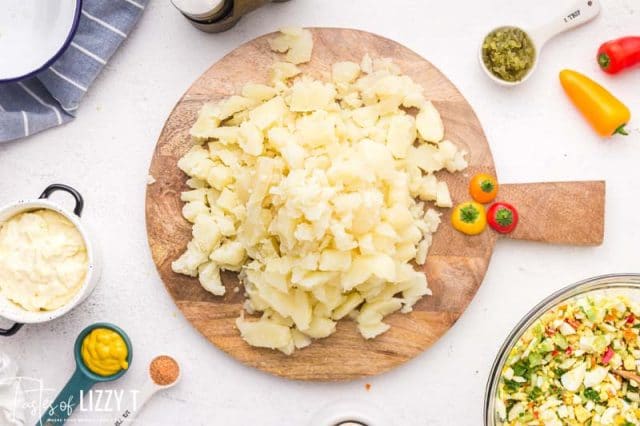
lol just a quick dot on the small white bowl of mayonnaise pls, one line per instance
(48, 264)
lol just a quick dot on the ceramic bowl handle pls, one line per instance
(11, 330)
(60, 187)
(580, 12)
(67, 400)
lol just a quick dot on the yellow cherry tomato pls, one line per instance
(469, 218)
(483, 188)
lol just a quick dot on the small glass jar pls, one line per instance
(215, 16)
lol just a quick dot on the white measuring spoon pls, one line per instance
(133, 405)
(580, 12)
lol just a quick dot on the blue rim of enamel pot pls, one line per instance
(56, 56)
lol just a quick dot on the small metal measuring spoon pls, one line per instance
(580, 12)
(130, 409)
(82, 379)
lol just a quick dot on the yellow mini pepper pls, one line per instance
(469, 218)
(606, 114)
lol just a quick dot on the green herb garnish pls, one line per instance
(559, 372)
(535, 393)
(592, 394)
(512, 385)
(522, 368)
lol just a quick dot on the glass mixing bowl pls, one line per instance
(627, 284)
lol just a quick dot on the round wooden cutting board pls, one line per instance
(456, 263)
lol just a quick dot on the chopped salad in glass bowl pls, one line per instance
(556, 367)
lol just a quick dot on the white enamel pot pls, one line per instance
(16, 313)
(34, 34)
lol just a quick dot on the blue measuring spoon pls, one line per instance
(82, 380)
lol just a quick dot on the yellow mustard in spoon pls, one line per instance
(104, 352)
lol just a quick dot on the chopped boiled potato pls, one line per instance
(229, 254)
(268, 113)
(264, 334)
(297, 43)
(401, 135)
(208, 119)
(190, 260)
(335, 260)
(310, 95)
(316, 192)
(345, 72)
(206, 233)
(209, 276)
(429, 123)
(443, 198)
(258, 92)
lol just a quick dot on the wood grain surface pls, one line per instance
(456, 263)
(558, 212)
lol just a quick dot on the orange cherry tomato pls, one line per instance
(483, 188)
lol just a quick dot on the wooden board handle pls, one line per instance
(558, 212)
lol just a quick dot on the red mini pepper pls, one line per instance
(502, 217)
(617, 55)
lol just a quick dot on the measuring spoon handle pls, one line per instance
(128, 411)
(578, 13)
(67, 400)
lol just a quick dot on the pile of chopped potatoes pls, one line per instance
(560, 371)
(315, 192)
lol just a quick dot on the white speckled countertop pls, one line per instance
(535, 135)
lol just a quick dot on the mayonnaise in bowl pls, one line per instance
(43, 260)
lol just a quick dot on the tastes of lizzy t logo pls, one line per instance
(30, 399)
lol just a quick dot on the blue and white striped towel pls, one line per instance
(51, 98)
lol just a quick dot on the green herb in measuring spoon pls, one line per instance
(508, 53)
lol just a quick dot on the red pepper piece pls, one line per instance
(617, 55)
(608, 354)
(573, 323)
(630, 319)
(569, 350)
